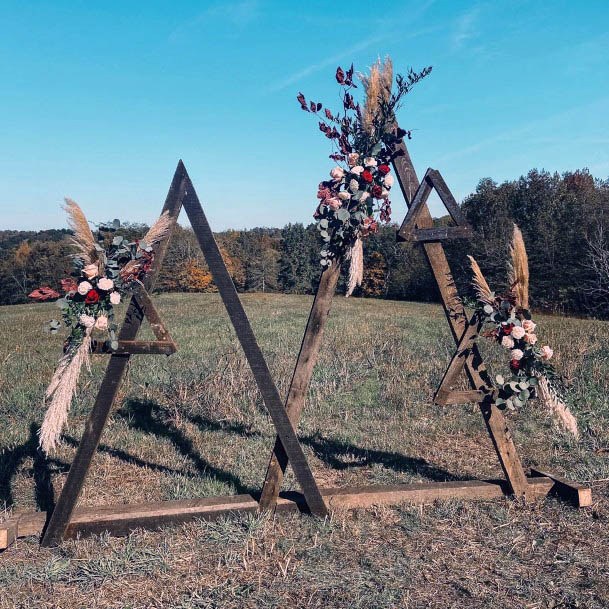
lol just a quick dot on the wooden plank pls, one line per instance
(415, 207)
(8, 532)
(96, 422)
(266, 385)
(122, 519)
(301, 378)
(455, 314)
(446, 196)
(136, 347)
(578, 494)
(441, 233)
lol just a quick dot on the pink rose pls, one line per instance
(518, 332)
(516, 354)
(546, 352)
(352, 159)
(87, 320)
(90, 271)
(529, 325)
(357, 169)
(530, 338)
(333, 203)
(343, 195)
(370, 162)
(84, 287)
(365, 195)
(507, 342)
(337, 173)
(102, 323)
(353, 185)
(105, 284)
(115, 298)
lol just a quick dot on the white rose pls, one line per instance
(115, 298)
(388, 181)
(517, 354)
(90, 271)
(529, 325)
(357, 169)
(507, 342)
(84, 287)
(105, 284)
(518, 332)
(370, 162)
(337, 173)
(353, 185)
(384, 193)
(365, 195)
(344, 195)
(352, 159)
(546, 352)
(102, 323)
(87, 320)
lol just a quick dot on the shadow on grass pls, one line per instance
(343, 455)
(148, 417)
(12, 459)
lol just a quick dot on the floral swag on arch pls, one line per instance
(107, 267)
(356, 198)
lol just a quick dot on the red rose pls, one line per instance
(367, 176)
(377, 191)
(507, 329)
(92, 297)
(515, 364)
(384, 169)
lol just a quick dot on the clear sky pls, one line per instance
(99, 100)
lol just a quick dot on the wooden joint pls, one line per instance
(576, 493)
(446, 397)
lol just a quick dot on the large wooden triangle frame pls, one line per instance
(181, 194)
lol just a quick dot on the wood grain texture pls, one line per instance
(455, 314)
(222, 279)
(301, 378)
(60, 517)
(579, 494)
(123, 519)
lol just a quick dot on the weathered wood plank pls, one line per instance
(122, 519)
(579, 494)
(266, 385)
(98, 417)
(446, 397)
(8, 532)
(441, 233)
(301, 378)
(455, 314)
(136, 347)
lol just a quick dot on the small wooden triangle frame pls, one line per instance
(409, 231)
(181, 193)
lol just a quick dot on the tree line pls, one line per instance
(564, 219)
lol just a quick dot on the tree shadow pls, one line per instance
(12, 459)
(341, 455)
(145, 416)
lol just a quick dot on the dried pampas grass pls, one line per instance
(83, 238)
(60, 392)
(356, 268)
(519, 270)
(549, 398)
(158, 231)
(483, 291)
(377, 86)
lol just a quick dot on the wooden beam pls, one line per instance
(301, 378)
(445, 397)
(454, 310)
(136, 347)
(440, 233)
(122, 519)
(578, 494)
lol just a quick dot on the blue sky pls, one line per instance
(100, 100)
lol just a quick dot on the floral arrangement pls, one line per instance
(106, 267)
(356, 198)
(508, 315)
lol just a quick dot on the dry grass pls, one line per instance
(194, 425)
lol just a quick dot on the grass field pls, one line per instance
(193, 425)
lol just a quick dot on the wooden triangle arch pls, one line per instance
(409, 231)
(181, 194)
(415, 195)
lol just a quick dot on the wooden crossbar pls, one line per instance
(122, 519)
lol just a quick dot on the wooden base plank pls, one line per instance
(447, 398)
(580, 495)
(122, 519)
